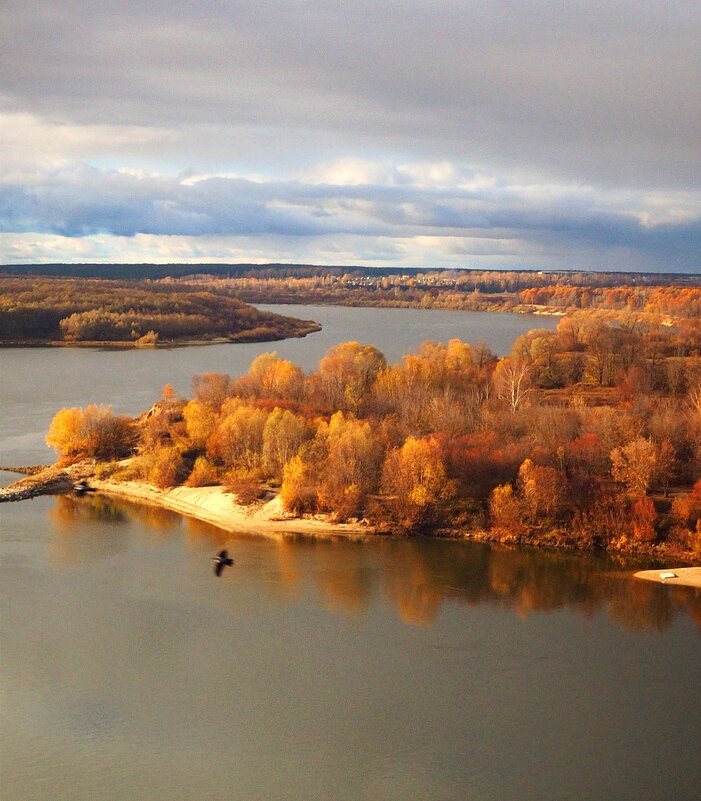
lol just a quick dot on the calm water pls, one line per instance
(411, 670)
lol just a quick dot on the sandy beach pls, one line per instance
(215, 506)
(684, 576)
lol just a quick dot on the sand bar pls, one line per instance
(219, 508)
(685, 576)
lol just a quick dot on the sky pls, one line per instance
(499, 134)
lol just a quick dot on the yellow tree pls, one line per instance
(414, 476)
(93, 432)
(297, 491)
(238, 439)
(634, 465)
(283, 434)
(436, 389)
(66, 434)
(200, 422)
(347, 373)
(270, 376)
(352, 466)
(541, 490)
(505, 510)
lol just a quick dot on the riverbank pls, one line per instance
(683, 576)
(268, 518)
(214, 505)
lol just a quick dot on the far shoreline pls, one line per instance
(99, 344)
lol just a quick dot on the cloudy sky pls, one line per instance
(490, 134)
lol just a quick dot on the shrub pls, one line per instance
(203, 474)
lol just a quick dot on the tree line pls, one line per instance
(470, 290)
(588, 436)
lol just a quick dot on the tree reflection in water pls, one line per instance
(76, 523)
(420, 576)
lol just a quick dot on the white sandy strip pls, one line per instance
(215, 506)
(686, 576)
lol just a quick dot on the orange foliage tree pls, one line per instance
(347, 373)
(92, 432)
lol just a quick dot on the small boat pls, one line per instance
(668, 574)
(81, 487)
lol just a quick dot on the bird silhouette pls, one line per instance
(221, 560)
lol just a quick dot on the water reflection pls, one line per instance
(417, 577)
(70, 511)
(77, 523)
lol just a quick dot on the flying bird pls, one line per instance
(221, 560)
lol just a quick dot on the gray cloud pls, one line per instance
(82, 201)
(516, 131)
(588, 91)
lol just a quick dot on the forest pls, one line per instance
(652, 300)
(172, 305)
(465, 277)
(585, 437)
(140, 313)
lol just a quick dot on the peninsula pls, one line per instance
(586, 437)
(62, 311)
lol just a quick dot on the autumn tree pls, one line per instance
(539, 349)
(298, 490)
(541, 490)
(270, 376)
(439, 388)
(163, 466)
(237, 440)
(643, 517)
(414, 476)
(92, 432)
(203, 474)
(200, 422)
(283, 434)
(634, 464)
(211, 390)
(346, 374)
(602, 357)
(352, 466)
(505, 510)
(512, 382)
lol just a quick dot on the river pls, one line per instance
(392, 669)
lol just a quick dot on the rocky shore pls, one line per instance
(41, 480)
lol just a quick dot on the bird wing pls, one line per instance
(223, 554)
(218, 568)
